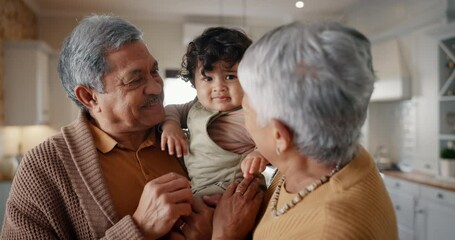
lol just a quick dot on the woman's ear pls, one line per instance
(87, 97)
(282, 136)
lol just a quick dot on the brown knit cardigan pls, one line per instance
(59, 192)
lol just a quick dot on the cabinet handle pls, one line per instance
(420, 211)
(440, 196)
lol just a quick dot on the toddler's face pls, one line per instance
(220, 88)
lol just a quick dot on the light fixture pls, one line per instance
(299, 4)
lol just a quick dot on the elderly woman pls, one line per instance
(307, 89)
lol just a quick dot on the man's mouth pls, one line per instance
(152, 100)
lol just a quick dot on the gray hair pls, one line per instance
(82, 59)
(317, 79)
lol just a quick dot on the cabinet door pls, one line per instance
(440, 223)
(404, 209)
(439, 209)
(26, 86)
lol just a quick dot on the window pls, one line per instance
(177, 91)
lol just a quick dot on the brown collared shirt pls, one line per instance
(126, 171)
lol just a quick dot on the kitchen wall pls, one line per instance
(416, 25)
(164, 39)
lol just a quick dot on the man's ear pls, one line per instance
(282, 136)
(87, 97)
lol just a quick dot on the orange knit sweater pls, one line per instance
(354, 204)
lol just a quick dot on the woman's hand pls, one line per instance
(163, 201)
(236, 211)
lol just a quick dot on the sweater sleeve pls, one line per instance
(42, 203)
(179, 112)
(124, 229)
(32, 205)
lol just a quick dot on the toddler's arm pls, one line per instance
(174, 138)
(253, 163)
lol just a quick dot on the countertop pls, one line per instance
(423, 178)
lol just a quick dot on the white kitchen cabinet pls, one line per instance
(423, 212)
(446, 91)
(26, 85)
(404, 197)
(439, 208)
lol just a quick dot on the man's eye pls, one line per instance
(134, 82)
(154, 71)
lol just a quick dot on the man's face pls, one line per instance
(133, 90)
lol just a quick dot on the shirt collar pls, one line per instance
(105, 143)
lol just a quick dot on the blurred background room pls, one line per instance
(410, 129)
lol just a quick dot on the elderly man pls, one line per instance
(104, 175)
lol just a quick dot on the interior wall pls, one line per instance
(409, 23)
(164, 39)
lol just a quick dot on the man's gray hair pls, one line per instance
(82, 59)
(317, 79)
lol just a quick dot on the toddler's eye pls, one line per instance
(207, 79)
(231, 77)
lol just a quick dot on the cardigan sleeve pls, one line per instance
(124, 229)
(42, 203)
(31, 205)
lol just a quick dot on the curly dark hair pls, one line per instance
(213, 45)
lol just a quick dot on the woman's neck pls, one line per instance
(301, 171)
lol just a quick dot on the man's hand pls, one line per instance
(199, 224)
(253, 163)
(163, 201)
(174, 138)
(236, 211)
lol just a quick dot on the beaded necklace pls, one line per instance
(300, 195)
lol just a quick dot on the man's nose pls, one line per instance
(154, 85)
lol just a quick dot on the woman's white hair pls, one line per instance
(315, 78)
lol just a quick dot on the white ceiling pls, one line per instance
(249, 12)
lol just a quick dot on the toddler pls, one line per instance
(219, 148)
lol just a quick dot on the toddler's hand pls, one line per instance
(174, 138)
(253, 163)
